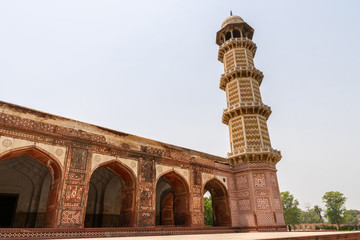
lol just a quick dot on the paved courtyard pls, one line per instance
(229, 236)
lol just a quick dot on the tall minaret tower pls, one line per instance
(251, 155)
(245, 114)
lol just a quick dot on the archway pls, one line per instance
(172, 201)
(29, 188)
(220, 202)
(111, 198)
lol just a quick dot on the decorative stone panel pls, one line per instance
(197, 202)
(277, 204)
(98, 159)
(196, 177)
(163, 169)
(244, 205)
(259, 180)
(262, 203)
(208, 176)
(79, 159)
(246, 219)
(8, 143)
(265, 219)
(243, 194)
(70, 216)
(73, 193)
(280, 218)
(261, 192)
(273, 180)
(242, 181)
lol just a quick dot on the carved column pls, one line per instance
(196, 198)
(74, 193)
(146, 201)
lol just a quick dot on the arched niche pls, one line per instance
(111, 198)
(236, 33)
(220, 202)
(172, 200)
(227, 36)
(30, 180)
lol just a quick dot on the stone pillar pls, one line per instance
(147, 189)
(75, 189)
(196, 198)
(259, 198)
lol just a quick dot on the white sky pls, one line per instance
(150, 68)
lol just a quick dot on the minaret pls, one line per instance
(245, 114)
(251, 155)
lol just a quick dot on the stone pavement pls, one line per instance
(245, 236)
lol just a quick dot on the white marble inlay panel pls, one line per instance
(208, 176)
(162, 169)
(7, 143)
(98, 159)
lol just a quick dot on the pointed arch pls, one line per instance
(177, 196)
(54, 168)
(128, 182)
(220, 202)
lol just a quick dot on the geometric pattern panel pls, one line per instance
(250, 58)
(280, 218)
(240, 58)
(229, 60)
(237, 134)
(252, 132)
(259, 180)
(265, 219)
(242, 182)
(232, 93)
(256, 90)
(70, 217)
(246, 219)
(244, 204)
(277, 204)
(246, 92)
(273, 180)
(264, 132)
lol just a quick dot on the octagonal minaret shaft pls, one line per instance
(245, 114)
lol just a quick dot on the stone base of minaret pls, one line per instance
(259, 202)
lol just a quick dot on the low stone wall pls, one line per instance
(58, 233)
(312, 226)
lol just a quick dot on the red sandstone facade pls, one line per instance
(77, 175)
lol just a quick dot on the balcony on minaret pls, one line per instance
(245, 108)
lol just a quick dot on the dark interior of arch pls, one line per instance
(220, 203)
(172, 203)
(111, 198)
(236, 33)
(227, 36)
(24, 193)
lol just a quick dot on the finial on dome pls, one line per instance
(230, 13)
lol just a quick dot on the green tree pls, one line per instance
(291, 211)
(309, 216)
(350, 216)
(335, 207)
(208, 211)
(318, 211)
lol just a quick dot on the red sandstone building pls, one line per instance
(60, 173)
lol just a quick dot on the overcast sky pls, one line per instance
(150, 68)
